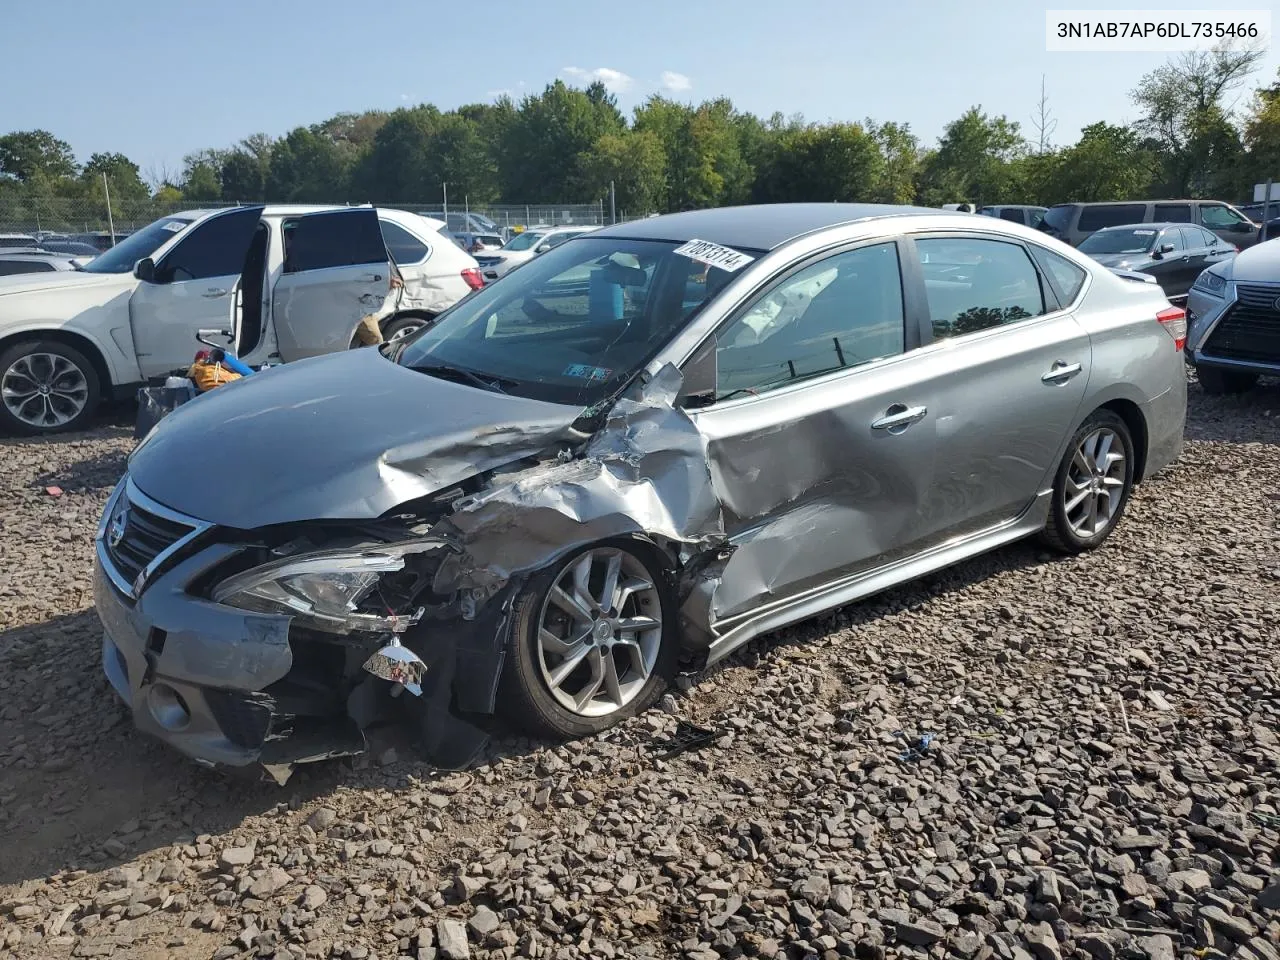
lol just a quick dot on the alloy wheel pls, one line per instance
(599, 632)
(1095, 483)
(44, 390)
(408, 327)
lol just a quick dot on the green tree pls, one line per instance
(123, 177)
(1184, 114)
(1107, 163)
(243, 177)
(636, 165)
(1262, 137)
(705, 165)
(901, 152)
(306, 167)
(827, 162)
(974, 161)
(27, 153)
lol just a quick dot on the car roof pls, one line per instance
(761, 226)
(42, 256)
(1154, 225)
(1128, 203)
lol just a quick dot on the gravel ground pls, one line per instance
(1104, 779)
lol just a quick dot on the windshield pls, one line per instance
(571, 326)
(1128, 240)
(523, 241)
(143, 243)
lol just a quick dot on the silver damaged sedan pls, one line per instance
(641, 449)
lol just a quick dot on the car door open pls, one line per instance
(821, 449)
(191, 287)
(336, 272)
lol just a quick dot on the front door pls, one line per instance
(821, 447)
(194, 288)
(1171, 267)
(1004, 377)
(336, 271)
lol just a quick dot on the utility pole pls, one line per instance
(613, 203)
(446, 204)
(111, 223)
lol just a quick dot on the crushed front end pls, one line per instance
(280, 647)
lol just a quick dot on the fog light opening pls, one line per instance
(168, 708)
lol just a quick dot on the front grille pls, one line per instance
(243, 721)
(1250, 330)
(144, 536)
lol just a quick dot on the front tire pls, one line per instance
(1217, 382)
(46, 387)
(1092, 485)
(593, 641)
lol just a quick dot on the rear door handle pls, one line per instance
(213, 292)
(371, 278)
(898, 417)
(1061, 372)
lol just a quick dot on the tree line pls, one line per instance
(1198, 135)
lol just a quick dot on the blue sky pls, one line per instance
(156, 80)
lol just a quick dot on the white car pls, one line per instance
(523, 247)
(291, 281)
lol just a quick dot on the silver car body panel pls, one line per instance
(1257, 268)
(768, 508)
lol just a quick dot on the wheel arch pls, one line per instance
(1128, 411)
(71, 339)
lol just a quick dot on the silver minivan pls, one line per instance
(1072, 222)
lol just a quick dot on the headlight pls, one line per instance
(1210, 282)
(324, 590)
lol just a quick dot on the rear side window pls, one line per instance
(974, 284)
(1112, 215)
(1172, 213)
(1011, 213)
(9, 268)
(1066, 276)
(343, 238)
(403, 245)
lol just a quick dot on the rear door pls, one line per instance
(336, 271)
(1199, 248)
(194, 287)
(1004, 375)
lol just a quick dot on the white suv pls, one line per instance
(292, 281)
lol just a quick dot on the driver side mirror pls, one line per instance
(145, 270)
(700, 376)
(1242, 228)
(1164, 248)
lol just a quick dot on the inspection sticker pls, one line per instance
(714, 255)
(584, 371)
(173, 226)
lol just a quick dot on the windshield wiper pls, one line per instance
(461, 375)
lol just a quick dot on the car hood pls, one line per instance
(344, 436)
(1129, 261)
(62, 280)
(1258, 264)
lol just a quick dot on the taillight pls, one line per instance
(473, 278)
(1174, 320)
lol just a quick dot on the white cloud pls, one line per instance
(615, 81)
(404, 96)
(674, 82)
(495, 94)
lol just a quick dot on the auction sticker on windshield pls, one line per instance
(714, 255)
(584, 371)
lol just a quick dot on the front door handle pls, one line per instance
(1061, 372)
(214, 292)
(898, 417)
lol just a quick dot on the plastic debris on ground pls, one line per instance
(687, 737)
(917, 747)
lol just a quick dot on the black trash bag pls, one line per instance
(156, 403)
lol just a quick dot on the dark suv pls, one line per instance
(1072, 222)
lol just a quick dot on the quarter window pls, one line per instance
(975, 284)
(403, 245)
(841, 312)
(1111, 215)
(1067, 276)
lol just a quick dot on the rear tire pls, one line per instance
(403, 325)
(1217, 382)
(1092, 485)
(576, 666)
(46, 387)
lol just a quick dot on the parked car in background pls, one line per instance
(960, 207)
(15, 240)
(1072, 222)
(83, 251)
(478, 242)
(1173, 253)
(616, 459)
(1233, 312)
(291, 281)
(1015, 213)
(523, 247)
(461, 222)
(100, 239)
(22, 260)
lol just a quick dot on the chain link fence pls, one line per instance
(42, 216)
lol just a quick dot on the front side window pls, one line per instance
(841, 312)
(343, 238)
(136, 246)
(974, 284)
(571, 326)
(1217, 217)
(1111, 215)
(404, 247)
(215, 248)
(1172, 238)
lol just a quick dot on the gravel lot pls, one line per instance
(1104, 782)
